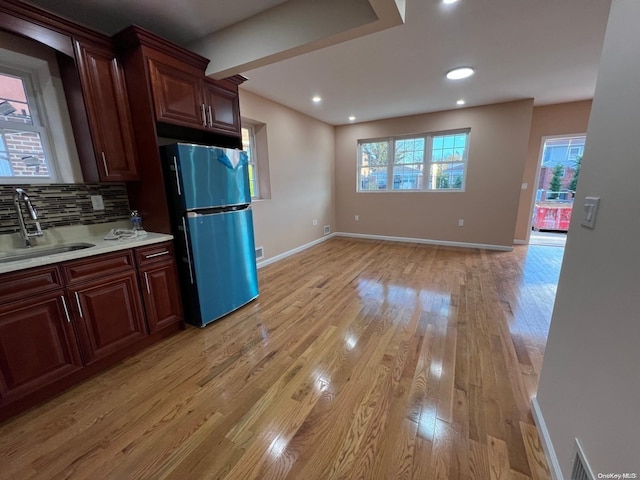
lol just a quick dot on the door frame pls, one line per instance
(534, 191)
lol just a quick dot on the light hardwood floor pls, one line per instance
(359, 360)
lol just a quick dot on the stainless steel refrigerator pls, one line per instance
(210, 203)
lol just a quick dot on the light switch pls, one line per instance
(524, 186)
(590, 211)
(97, 202)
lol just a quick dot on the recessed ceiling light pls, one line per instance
(317, 99)
(459, 73)
(352, 118)
(460, 102)
(449, 2)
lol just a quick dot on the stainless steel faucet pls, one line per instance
(18, 197)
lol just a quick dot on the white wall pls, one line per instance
(301, 166)
(590, 382)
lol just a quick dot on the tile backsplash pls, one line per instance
(65, 204)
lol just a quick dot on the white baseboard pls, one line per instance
(520, 242)
(271, 260)
(426, 241)
(545, 438)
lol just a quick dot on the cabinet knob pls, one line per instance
(104, 162)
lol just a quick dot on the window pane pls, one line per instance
(407, 177)
(409, 151)
(446, 176)
(460, 141)
(13, 101)
(373, 178)
(448, 141)
(374, 153)
(22, 154)
(437, 142)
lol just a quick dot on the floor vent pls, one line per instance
(259, 253)
(327, 229)
(581, 469)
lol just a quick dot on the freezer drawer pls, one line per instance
(223, 262)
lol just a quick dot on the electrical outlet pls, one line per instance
(315, 222)
(461, 222)
(97, 202)
(357, 218)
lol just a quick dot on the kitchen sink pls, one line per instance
(25, 254)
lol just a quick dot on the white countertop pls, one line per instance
(93, 234)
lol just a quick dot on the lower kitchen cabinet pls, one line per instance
(109, 315)
(38, 344)
(160, 288)
(62, 323)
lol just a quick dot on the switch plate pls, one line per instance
(524, 186)
(461, 222)
(357, 217)
(591, 205)
(315, 222)
(97, 202)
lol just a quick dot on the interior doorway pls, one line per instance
(558, 172)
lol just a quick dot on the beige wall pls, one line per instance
(550, 120)
(497, 152)
(301, 167)
(589, 385)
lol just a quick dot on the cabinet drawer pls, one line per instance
(98, 267)
(23, 283)
(154, 253)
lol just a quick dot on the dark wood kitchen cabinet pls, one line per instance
(182, 96)
(107, 106)
(38, 345)
(223, 108)
(106, 303)
(109, 315)
(160, 288)
(62, 323)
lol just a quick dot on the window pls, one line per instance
(24, 148)
(422, 162)
(248, 145)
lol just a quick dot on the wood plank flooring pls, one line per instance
(360, 360)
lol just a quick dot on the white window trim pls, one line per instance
(427, 163)
(38, 116)
(253, 159)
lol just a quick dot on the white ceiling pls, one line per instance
(547, 50)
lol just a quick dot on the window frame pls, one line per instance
(253, 159)
(427, 161)
(39, 125)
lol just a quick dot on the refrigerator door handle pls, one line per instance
(186, 243)
(175, 168)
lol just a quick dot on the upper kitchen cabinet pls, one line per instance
(181, 93)
(177, 94)
(107, 106)
(223, 109)
(94, 88)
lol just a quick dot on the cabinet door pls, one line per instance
(38, 345)
(107, 107)
(161, 295)
(177, 96)
(109, 313)
(223, 109)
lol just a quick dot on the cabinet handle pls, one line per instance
(175, 169)
(204, 115)
(66, 310)
(209, 110)
(146, 278)
(79, 307)
(104, 162)
(186, 244)
(159, 254)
